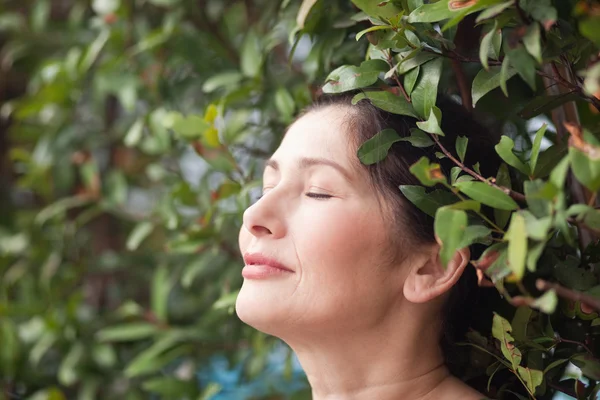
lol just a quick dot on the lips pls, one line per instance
(260, 259)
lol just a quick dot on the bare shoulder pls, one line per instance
(455, 389)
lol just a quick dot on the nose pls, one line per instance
(263, 218)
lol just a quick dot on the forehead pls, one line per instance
(320, 133)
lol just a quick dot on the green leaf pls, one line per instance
(284, 102)
(138, 234)
(486, 44)
(461, 147)
(592, 219)
(371, 29)
(134, 134)
(377, 9)
(433, 123)
(586, 167)
(376, 149)
(303, 12)
(116, 187)
(418, 138)
(487, 194)
(501, 330)
(454, 174)
(547, 302)
(432, 12)
(410, 79)
(191, 127)
(132, 331)
(425, 92)
(506, 72)
(532, 42)
(67, 372)
(548, 159)
(252, 55)
(414, 59)
(160, 353)
(517, 245)
(504, 150)
(524, 64)
(428, 202)
(170, 387)
(474, 233)
(486, 81)
(428, 174)
(544, 104)
(470, 205)
(388, 102)
(226, 301)
(537, 229)
(535, 149)
(350, 77)
(532, 377)
(588, 27)
(449, 227)
(161, 288)
(589, 365)
(493, 11)
(222, 80)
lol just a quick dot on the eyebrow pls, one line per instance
(307, 162)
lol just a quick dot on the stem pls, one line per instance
(577, 343)
(514, 195)
(568, 293)
(395, 76)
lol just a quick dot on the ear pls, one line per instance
(428, 279)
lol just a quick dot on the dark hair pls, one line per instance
(364, 121)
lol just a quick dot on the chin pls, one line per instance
(261, 308)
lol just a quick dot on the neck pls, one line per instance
(387, 361)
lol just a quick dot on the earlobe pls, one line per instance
(429, 279)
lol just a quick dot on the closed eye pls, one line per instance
(320, 196)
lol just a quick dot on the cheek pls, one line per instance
(338, 234)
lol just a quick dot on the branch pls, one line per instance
(514, 195)
(395, 75)
(568, 293)
(463, 85)
(577, 343)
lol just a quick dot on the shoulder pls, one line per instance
(454, 389)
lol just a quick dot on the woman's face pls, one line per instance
(320, 218)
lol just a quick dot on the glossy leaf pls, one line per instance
(535, 150)
(428, 202)
(461, 147)
(486, 81)
(425, 92)
(487, 195)
(388, 102)
(586, 167)
(418, 138)
(449, 227)
(501, 330)
(427, 173)
(433, 123)
(517, 245)
(504, 150)
(376, 149)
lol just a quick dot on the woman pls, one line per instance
(345, 270)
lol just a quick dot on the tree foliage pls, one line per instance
(133, 134)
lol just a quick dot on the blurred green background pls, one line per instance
(132, 135)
